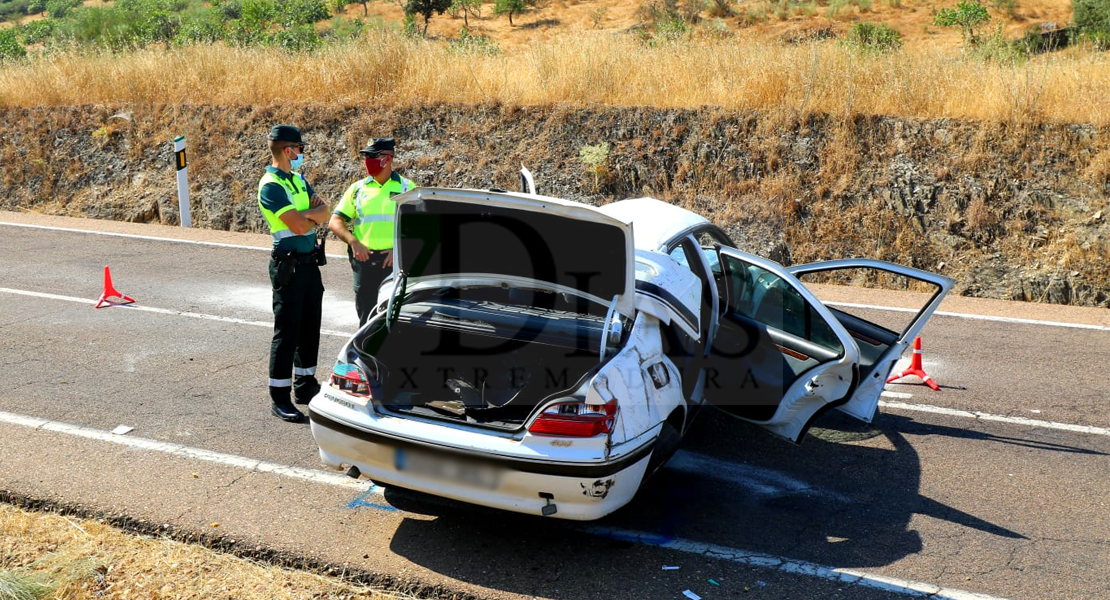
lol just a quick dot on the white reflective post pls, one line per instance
(182, 181)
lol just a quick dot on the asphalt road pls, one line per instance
(998, 485)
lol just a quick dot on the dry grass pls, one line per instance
(45, 556)
(586, 69)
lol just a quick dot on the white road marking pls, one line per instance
(846, 304)
(346, 335)
(164, 311)
(787, 565)
(974, 414)
(134, 236)
(976, 317)
(184, 451)
(149, 238)
(744, 557)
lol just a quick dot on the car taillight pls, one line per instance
(350, 379)
(575, 419)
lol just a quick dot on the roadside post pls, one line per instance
(182, 180)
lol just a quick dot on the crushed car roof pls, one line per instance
(653, 221)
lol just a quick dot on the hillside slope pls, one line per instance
(748, 19)
(1011, 213)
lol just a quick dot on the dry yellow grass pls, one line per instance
(586, 69)
(82, 559)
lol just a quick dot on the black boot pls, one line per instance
(305, 389)
(282, 406)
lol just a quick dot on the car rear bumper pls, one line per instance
(578, 491)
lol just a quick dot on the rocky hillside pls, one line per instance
(1010, 212)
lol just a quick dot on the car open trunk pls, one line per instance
(478, 363)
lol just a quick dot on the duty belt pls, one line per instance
(302, 258)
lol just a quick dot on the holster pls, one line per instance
(286, 267)
(321, 258)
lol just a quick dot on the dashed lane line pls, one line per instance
(713, 551)
(845, 304)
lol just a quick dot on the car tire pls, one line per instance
(665, 446)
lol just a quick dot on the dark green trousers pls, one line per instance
(296, 343)
(368, 277)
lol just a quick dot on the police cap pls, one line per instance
(376, 146)
(285, 133)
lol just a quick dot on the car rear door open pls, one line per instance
(779, 356)
(883, 306)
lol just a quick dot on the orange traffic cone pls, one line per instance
(915, 368)
(110, 291)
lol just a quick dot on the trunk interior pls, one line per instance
(488, 368)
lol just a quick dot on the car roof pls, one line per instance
(654, 222)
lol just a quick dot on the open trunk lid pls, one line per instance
(517, 239)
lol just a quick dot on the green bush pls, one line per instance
(301, 12)
(996, 48)
(670, 29)
(342, 30)
(299, 38)
(469, 43)
(128, 24)
(717, 28)
(968, 15)
(10, 48)
(201, 27)
(13, 9)
(35, 32)
(230, 9)
(873, 37)
(1092, 19)
(58, 9)
(35, 7)
(258, 15)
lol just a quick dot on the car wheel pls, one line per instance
(665, 446)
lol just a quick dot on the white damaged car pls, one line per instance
(544, 356)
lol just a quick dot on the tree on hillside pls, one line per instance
(466, 7)
(426, 8)
(968, 16)
(512, 7)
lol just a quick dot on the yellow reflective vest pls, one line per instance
(297, 190)
(372, 211)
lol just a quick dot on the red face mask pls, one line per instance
(376, 166)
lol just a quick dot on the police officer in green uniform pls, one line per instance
(292, 209)
(367, 206)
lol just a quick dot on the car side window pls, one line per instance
(762, 296)
(708, 242)
(679, 255)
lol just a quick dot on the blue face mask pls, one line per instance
(297, 162)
